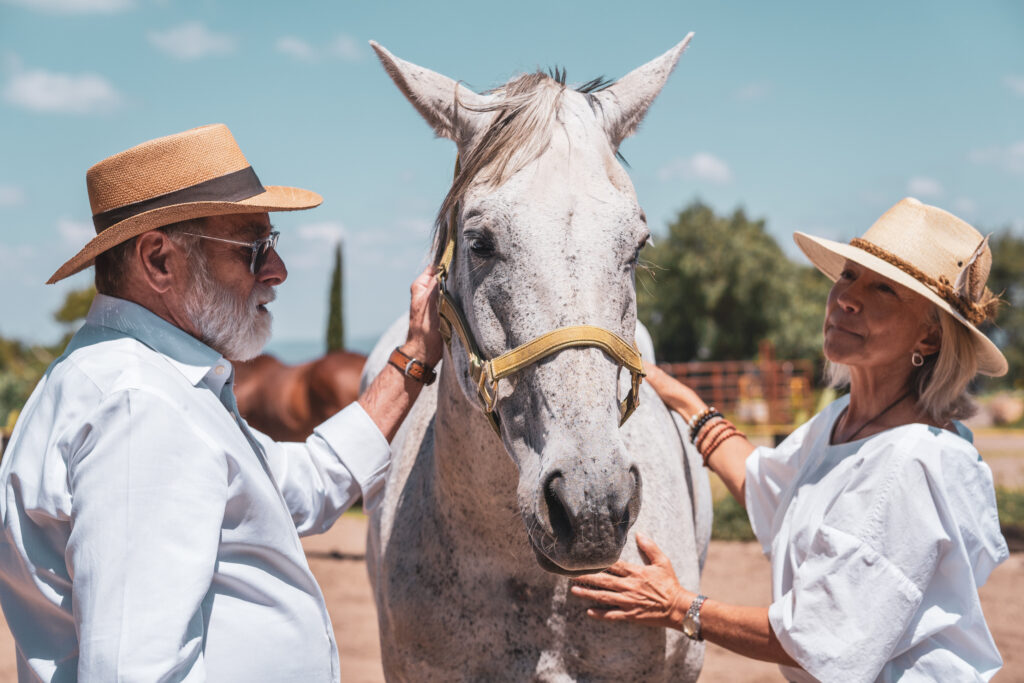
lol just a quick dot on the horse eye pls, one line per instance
(481, 245)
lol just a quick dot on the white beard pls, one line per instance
(237, 328)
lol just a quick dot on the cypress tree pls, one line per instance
(336, 312)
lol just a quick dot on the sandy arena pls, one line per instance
(735, 571)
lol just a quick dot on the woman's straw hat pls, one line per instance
(931, 252)
(198, 173)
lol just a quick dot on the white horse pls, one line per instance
(472, 546)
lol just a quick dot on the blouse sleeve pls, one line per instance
(769, 473)
(857, 595)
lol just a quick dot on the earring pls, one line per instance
(916, 359)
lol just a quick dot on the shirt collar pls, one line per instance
(194, 359)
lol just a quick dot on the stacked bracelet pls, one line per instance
(709, 429)
(698, 421)
(710, 445)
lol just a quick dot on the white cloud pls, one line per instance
(47, 91)
(296, 47)
(192, 40)
(1010, 158)
(11, 195)
(964, 206)
(75, 233)
(326, 231)
(74, 6)
(1015, 84)
(347, 48)
(924, 187)
(343, 47)
(417, 226)
(701, 166)
(752, 91)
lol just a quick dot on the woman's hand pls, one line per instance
(674, 393)
(647, 594)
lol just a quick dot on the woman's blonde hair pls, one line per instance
(941, 383)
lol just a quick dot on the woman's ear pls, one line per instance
(932, 340)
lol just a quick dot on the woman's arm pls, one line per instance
(651, 595)
(728, 461)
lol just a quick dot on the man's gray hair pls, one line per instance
(112, 264)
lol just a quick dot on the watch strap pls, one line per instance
(412, 367)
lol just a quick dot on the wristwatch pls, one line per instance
(691, 622)
(411, 367)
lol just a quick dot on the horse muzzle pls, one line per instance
(579, 524)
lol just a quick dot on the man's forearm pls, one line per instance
(388, 399)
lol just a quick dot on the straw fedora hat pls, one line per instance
(931, 252)
(194, 174)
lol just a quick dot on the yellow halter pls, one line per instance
(486, 373)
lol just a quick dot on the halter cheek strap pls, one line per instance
(486, 373)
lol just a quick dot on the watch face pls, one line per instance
(689, 627)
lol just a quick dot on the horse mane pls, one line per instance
(525, 111)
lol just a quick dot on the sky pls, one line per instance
(814, 116)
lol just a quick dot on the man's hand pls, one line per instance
(424, 341)
(388, 399)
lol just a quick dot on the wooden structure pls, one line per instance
(763, 391)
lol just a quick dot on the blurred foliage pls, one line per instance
(22, 365)
(1007, 280)
(729, 521)
(716, 286)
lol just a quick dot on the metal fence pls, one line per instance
(765, 391)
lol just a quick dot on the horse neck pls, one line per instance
(474, 476)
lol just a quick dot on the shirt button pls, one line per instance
(220, 370)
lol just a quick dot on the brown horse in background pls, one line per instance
(286, 402)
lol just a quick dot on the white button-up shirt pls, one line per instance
(878, 548)
(150, 534)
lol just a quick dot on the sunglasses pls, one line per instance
(260, 248)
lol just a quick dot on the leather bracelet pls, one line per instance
(411, 367)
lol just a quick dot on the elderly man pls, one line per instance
(148, 533)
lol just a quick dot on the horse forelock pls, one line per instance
(524, 113)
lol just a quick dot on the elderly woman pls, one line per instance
(878, 515)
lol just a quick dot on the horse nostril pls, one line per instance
(558, 515)
(623, 518)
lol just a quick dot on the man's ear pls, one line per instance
(159, 260)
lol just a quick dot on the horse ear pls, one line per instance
(448, 106)
(625, 102)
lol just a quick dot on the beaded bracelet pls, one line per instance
(706, 416)
(709, 431)
(698, 415)
(721, 440)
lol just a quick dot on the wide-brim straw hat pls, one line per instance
(931, 252)
(194, 174)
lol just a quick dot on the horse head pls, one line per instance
(545, 231)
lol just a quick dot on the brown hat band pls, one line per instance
(976, 311)
(231, 187)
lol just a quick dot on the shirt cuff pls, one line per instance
(366, 454)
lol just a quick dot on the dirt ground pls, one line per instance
(735, 571)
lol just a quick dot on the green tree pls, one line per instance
(718, 285)
(336, 310)
(1007, 280)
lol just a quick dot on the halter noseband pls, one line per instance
(486, 373)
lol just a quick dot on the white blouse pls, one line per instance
(878, 548)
